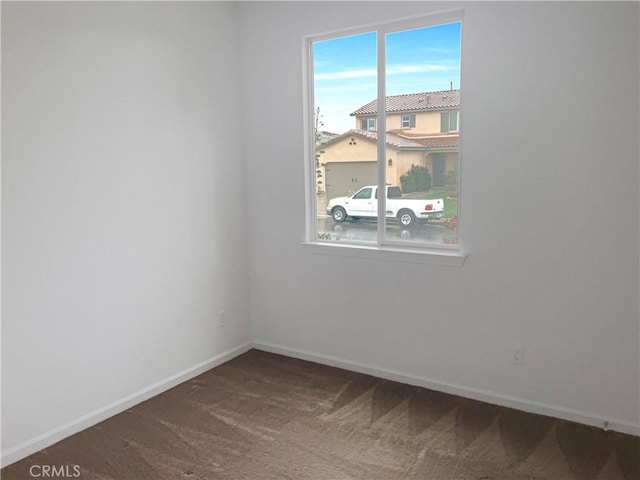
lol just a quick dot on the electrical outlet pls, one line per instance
(221, 319)
(517, 355)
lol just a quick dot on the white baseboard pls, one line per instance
(47, 439)
(53, 436)
(487, 396)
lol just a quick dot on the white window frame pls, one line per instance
(371, 123)
(408, 117)
(385, 249)
(449, 129)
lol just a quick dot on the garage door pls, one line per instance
(345, 178)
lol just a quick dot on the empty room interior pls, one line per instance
(172, 307)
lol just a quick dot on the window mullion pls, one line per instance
(310, 140)
(382, 128)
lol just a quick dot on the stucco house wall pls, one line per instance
(426, 123)
(358, 149)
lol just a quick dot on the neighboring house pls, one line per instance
(422, 129)
(323, 137)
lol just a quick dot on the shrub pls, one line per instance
(451, 178)
(418, 179)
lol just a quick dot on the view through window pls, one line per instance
(416, 152)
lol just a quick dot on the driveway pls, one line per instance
(366, 231)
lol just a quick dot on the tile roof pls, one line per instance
(438, 142)
(414, 102)
(391, 138)
(399, 141)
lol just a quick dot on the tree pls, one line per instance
(318, 123)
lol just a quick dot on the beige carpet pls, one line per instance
(264, 416)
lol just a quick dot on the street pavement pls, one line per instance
(366, 231)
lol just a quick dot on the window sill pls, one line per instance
(388, 253)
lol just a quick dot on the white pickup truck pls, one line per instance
(364, 203)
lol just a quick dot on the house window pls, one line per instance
(408, 121)
(368, 124)
(369, 74)
(449, 122)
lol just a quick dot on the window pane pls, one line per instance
(444, 122)
(423, 76)
(345, 90)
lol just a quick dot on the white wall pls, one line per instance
(549, 204)
(122, 190)
(123, 197)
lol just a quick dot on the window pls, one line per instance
(368, 124)
(408, 121)
(449, 122)
(411, 65)
(363, 194)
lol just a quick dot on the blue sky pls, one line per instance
(421, 60)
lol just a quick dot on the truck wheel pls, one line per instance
(339, 214)
(406, 217)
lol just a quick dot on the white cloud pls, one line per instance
(402, 69)
(367, 88)
(391, 70)
(369, 72)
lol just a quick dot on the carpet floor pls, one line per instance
(264, 416)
